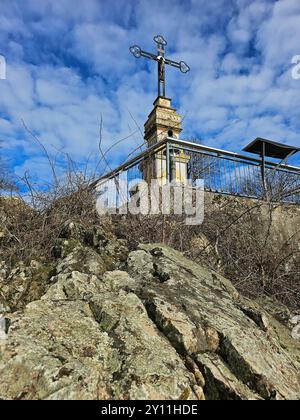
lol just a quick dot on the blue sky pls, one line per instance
(68, 63)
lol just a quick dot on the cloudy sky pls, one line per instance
(68, 64)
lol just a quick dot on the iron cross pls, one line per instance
(161, 60)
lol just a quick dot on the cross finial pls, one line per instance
(161, 61)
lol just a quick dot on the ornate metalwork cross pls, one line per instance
(161, 60)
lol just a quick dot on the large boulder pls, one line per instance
(91, 338)
(163, 327)
(227, 335)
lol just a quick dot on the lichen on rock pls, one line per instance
(146, 324)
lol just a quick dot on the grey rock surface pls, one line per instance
(157, 327)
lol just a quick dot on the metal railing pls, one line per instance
(223, 172)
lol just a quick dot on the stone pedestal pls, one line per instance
(163, 122)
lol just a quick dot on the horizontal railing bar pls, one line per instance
(227, 153)
(231, 159)
(240, 160)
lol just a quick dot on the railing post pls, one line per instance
(168, 172)
(263, 171)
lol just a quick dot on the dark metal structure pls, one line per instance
(161, 61)
(268, 148)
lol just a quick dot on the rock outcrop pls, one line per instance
(145, 324)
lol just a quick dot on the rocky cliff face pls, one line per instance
(106, 323)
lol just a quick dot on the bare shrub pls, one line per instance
(239, 238)
(31, 225)
(251, 249)
(32, 221)
(280, 186)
